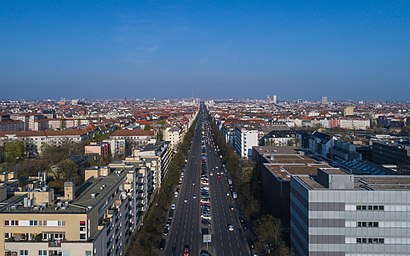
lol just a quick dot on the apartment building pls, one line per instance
(354, 123)
(336, 214)
(244, 141)
(173, 135)
(124, 141)
(34, 140)
(392, 153)
(96, 218)
(11, 125)
(159, 156)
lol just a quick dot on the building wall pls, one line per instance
(328, 222)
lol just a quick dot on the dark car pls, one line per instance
(251, 245)
(206, 222)
(205, 253)
(162, 244)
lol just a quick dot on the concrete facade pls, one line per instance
(336, 214)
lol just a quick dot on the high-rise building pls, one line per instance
(337, 214)
(275, 99)
(324, 100)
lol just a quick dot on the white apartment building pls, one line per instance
(173, 135)
(244, 141)
(357, 124)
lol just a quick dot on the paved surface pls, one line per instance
(186, 224)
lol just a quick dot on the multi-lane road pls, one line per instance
(186, 227)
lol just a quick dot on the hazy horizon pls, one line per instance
(357, 50)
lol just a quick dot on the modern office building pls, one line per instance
(337, 214)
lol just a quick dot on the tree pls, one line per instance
(147, 127)
(64, 170)
(14, 151)
(405, 130)
(268, 229)
(2, 154)
(54, 154)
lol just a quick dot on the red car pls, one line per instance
(186, 250)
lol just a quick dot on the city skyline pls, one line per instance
(153, 49)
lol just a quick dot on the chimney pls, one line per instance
(69, 193)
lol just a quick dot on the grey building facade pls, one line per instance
(336, 214)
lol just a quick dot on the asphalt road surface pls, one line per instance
(186, 224)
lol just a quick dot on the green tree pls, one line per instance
(147, 127)
(2, 154)
(14, 151)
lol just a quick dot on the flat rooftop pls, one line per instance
(275, 150)
(90, 195)
(364, 182)
(284, 171)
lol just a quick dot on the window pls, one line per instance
(42, 252)
(6, 223)
(23, 252)
(82, 237)
(88, 253)
(61, 223)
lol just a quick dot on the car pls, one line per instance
(204, 253)
(253, 253)
(228, 194)
(193, 196)
(176, 194)
(241, 220)
(185, 200)
(230, 227)
(162, 244)
(169, 220)
(206, 222)
(166, 231)
(251, 245)
(212, 174)
(193, 183)
(186, 250)
(231, 207)
(173, 206)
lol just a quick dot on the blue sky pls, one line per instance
(214, 49)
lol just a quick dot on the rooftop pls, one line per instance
(364, 182)
(284, 171)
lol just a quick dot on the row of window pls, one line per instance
(370, 207)
(51, 252)
(34, 223)
(367, 224)
(370, 240)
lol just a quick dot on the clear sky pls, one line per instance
(214, 49)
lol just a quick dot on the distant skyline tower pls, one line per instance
(275, 99)
(324, 100)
